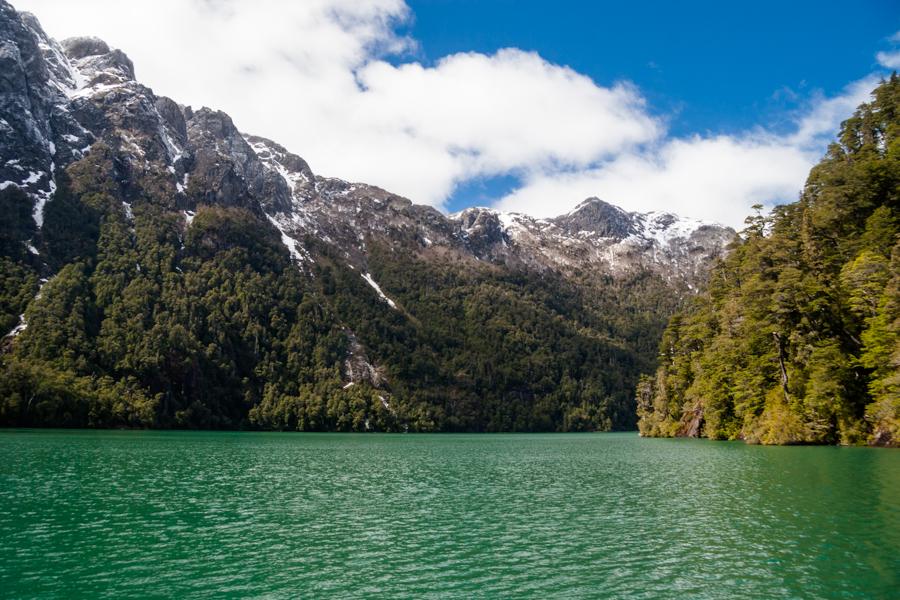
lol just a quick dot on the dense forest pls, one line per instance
(134, 316)
(161, 268)
(797, 337)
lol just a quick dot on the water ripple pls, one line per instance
(132, 514)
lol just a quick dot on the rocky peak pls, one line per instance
(215, 126)
(274, 153)
(226, 170)
(288, 177)
(482, 231)
(666, 228)
(30, 115)
(599, 217)
(595, 235)
(480, 221)
(97, 62)
(82, 47)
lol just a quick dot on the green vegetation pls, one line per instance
(797, 337)
(146, 321)
(480, 348)
(147, 324)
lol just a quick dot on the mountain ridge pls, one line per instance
(85, 68)
(213, 278)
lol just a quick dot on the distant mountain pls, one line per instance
(162, 268)
(600, 237)
(796, 339)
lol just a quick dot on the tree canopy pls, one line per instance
(795, 338)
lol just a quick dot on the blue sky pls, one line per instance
(700, 108)
(719, 67)
(714, 65)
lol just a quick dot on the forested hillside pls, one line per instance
(148, 322)
(797, 336)
(159, 268)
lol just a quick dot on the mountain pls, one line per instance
(600, 237)
(796, 339)
(162, 268)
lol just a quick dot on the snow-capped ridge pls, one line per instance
(86, 94)
(665, 227)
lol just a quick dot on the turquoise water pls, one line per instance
(137, 514)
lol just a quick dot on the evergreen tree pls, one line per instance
(795, 339)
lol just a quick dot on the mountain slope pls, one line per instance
(797, 338)
(162, 268)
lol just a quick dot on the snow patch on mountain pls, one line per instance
(19, 328)
(664, 228)
(297, 251)
(595, 234)
(377, 289)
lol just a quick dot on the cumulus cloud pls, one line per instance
(890, 59)
(337, 82)
(714, 177)
(312, 75)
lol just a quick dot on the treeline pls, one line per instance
(797, 336)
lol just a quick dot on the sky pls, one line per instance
(698, 108)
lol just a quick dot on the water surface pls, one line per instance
(119, 514)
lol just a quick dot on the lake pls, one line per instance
(137, 513)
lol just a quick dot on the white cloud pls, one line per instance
(716, 178)
(713, 177)
(509, 109)
(889, 60)
(823, 116)
(494, 114)
(313, 75)
(308, 74)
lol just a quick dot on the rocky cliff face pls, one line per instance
(599, 237)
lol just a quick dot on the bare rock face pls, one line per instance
(58, 101)
(483, 233)
(100, 64)
(597, 236)
(81, 47)
(226, 171)
(597, 217)
(286, 175)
